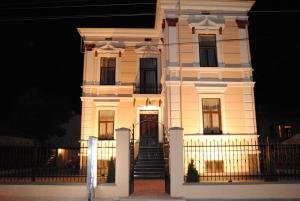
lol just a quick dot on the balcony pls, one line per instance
(146, 89)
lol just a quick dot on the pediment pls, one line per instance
(206, 22)
(147, 49)
(109, 48)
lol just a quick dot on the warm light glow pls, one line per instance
(60, 151)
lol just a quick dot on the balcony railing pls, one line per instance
(146, 89)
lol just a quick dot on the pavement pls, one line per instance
(145, 190)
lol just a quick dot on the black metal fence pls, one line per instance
(231, 161)
(106, 161)
(147, 89)
(47, 164)
(42, 164)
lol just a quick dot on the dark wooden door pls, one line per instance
(149, 129)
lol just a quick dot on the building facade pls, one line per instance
(192, 70)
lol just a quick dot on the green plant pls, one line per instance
(192, 174)
(111, 171)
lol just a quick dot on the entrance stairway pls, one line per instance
(150, 162)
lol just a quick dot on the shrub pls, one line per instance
(192, 174)
(111, 171)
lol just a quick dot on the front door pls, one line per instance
(148, 129)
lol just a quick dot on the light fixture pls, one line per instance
(148, 102)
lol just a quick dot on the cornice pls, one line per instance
(211, 69)
(93, 98)
(194, 83)
(208, 5)
(117, 32)
(106, 86)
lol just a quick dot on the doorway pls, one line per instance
(148, 128)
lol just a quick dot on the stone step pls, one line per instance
(147, 171)
(145, 176)
(145, 157)
(148, 161)
(149, 166)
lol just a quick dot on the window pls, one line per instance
(214, 166)
(208, 50)
(148, 75)
(106, 125)
(107, 70)
(211, 115)
(253, 163)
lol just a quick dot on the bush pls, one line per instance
(192, 174)
(111, 171)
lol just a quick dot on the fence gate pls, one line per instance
(131, 176)
(166, 148)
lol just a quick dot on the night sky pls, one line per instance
(41, 59)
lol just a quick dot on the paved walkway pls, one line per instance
(154, 188)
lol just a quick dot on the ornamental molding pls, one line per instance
(109, 48)
(147, 49)
(204, 22)
(211, 88)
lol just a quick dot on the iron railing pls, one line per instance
(241, 160)
(46, 164)
(146, 89)
(132, 162)
(106, 161)
(42, 164)
(166, 149)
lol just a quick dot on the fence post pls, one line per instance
(176, 161)
(122, 161)
(92, 167)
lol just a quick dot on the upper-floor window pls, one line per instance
(108, 71)
(148, 75)
(211, 116)
(106, 124)
(208, 50)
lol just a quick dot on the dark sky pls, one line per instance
(40, 48)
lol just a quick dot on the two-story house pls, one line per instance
(192, 70)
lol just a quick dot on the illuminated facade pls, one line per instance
(192, 70)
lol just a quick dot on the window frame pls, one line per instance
(107, 49)
(207, 25)
(222, 111)
(207, 48)
(219, 112)
(143, 88)
(148, 50)
(115, 69)
(106, 136)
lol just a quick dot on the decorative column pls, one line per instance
(244, 43)
(172, 42)
(176, 161)
(88, 64)
(220, 52)
(174, 87)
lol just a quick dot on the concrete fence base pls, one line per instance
(257, 191)
(241, 191)
(43, 192)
